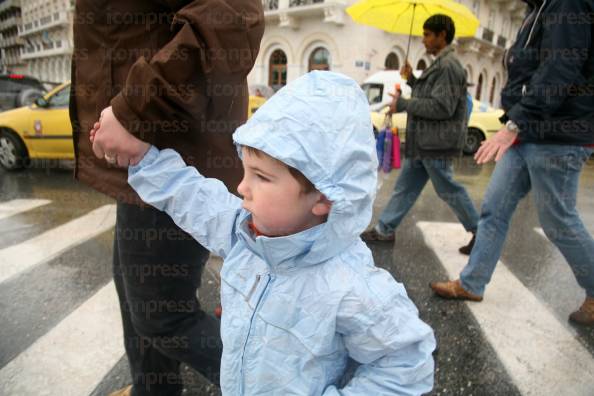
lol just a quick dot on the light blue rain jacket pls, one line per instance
(295, 307)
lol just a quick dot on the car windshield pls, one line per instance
(60, 98)
(374, 92)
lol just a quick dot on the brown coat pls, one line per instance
(174, 72)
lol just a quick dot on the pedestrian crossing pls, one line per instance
(541, 355)
(528, 338)
(17, 206)
(72, 358)
(18, 258)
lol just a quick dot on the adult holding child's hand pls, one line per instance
(156, 73)
(114, 143)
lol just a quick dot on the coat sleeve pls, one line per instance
(442, 101)
(200, 206)
(561, 71)
(211, 37)
(382, 331)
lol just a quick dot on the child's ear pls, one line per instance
(322, 206)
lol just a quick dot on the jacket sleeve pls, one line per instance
(561, 71)
(442, 101)
(382, 331)
(202, 207)
(211, 37)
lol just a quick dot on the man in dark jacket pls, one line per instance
(549, 114)
(172, 73)
(435, 133)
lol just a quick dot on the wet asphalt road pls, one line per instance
(35, 303)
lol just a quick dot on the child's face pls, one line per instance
(275, 198)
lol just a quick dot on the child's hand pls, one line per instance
(114, 143)
(94, 131)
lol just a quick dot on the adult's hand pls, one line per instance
(496, 146)
(114, 143)
(406, 71)
(393, 105)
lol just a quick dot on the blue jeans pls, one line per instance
(411, 181)
(552, 172)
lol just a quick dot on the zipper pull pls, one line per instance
(253, 289)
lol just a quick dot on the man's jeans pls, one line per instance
(552, 172)
(157, 269)
(411, 181)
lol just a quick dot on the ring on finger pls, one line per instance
(110, 158)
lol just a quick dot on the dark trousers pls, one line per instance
(157, 270)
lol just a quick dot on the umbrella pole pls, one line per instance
(412, 21)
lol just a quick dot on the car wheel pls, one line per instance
(28, 96)
(13, 153)
(474, 137)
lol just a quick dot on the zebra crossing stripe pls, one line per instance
(539, 353)
(18, 258)
(74, 356)
(16, 206)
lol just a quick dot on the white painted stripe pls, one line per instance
(74, 356)
(541, 232)
(16, 206)
(539, 353)
(50, 244)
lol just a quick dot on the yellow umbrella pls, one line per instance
(408, 16)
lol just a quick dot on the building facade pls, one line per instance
(46, 33)
(10, 42)
(303, 35)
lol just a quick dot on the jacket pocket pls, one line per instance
(440, 135)
(310, 324)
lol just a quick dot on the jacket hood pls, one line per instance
(320, 124)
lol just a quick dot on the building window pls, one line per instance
(319, 59)
(493, 87)
(479, 87)
(277, 72)
(422, 65)
(392, 62)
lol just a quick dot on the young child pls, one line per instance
(299, 289)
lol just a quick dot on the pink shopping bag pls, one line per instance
(395, 149)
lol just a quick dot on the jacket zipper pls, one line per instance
(253, 289)
(544, 3)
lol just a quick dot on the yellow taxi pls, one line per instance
(484, 121)
(40, 130)
(43, 131)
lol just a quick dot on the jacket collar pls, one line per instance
(280, 253)
(447, 51)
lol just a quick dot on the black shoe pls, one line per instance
(375, 235)
(468, 248)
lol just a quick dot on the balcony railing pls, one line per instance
(270, 5)
(49, 50)
(298, 3)
(11, 41)
(11, 22)
(501, 41)
(7, 4)
(46, 22)
(488, 35)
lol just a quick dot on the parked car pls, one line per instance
(17, 90)
(42, 130)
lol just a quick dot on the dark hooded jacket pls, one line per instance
(174, 72)
(550, 88)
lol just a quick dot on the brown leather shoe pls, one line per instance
(454, 290)
(127, 391)
(584, 315)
